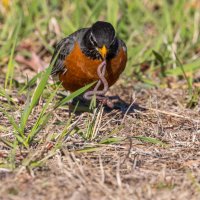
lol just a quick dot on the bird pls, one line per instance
(87, 55)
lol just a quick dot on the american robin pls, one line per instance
(88, 55)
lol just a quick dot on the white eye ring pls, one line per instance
(92, 39)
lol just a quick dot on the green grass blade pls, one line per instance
(17, 132)
(3, 93)
(184, 74)
(190, 67)
(73, 95)
(150, 140)
(89, 149)
(35, 98)
(112, 12)
(30, 83)
(10, 69)
(12, 155)
(168, 22)
(112, 140)
(11, 120)
(7, 143)
(42, 119)
(95, 11)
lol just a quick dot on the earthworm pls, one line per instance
(101, 70)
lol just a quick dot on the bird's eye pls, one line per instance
(93, 41)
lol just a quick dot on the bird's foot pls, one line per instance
(105, 101)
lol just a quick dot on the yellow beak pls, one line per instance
(103, 51)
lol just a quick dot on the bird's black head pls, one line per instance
(101, 39)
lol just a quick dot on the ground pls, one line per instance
(146, 147)
(165, 166)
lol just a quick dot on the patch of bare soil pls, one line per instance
(131, 169)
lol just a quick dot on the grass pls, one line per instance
(163, 40)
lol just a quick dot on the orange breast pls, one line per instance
(81, 70)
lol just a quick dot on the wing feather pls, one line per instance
(62, 49)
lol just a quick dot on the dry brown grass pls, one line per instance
(130, 169)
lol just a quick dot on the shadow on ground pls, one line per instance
(80, 105)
